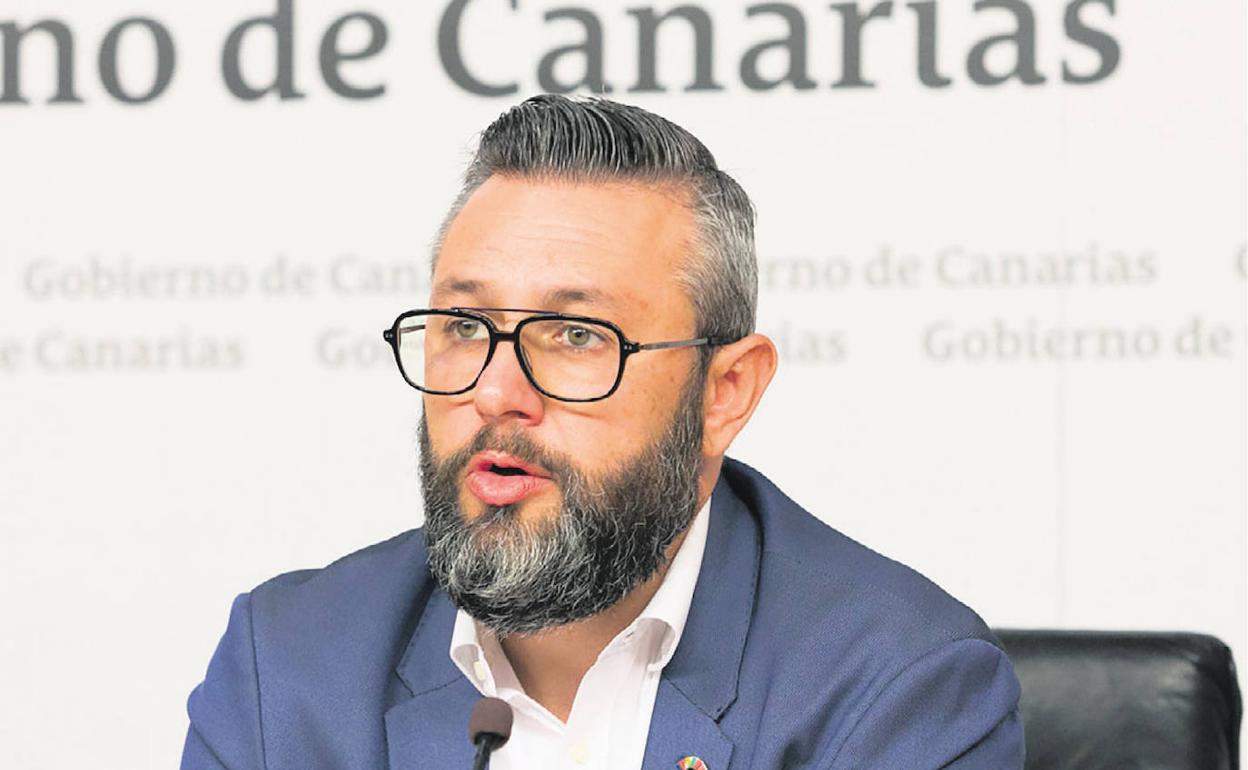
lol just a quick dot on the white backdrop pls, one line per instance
(1012, 316)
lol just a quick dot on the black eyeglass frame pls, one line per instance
(627, 347)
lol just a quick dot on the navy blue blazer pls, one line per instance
(803, 649)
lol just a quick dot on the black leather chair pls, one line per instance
(1095, 700)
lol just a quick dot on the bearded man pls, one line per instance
(589, 555)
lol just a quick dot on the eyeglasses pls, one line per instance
(566, 357)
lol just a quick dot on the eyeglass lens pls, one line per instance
(567, 359)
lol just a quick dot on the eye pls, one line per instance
(467, 329)
(580, 337)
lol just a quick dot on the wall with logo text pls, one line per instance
(1002, 255)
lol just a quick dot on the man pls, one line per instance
(589, 555)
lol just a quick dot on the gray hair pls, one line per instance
(591, 139)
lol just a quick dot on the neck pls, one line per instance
(551, 663)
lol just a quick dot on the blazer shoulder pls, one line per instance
(346, 622)
(303, 655)
(844, 577)
(377, 583)
(845, 638)
(366, 562)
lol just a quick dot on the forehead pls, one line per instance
(609, 248)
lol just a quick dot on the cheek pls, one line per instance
(607, 432)
(652, 388)
(451, 424)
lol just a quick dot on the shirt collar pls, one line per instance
(670, 604)
(667, 612)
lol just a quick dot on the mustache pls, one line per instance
(520, 446)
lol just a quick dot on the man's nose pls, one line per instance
(503, 391)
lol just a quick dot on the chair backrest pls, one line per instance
(1096, 700)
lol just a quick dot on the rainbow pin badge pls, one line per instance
(692, 763)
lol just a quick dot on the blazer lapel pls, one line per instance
(700, 682)
(430, 729)
(680, 729)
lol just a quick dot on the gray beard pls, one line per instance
(609, 536)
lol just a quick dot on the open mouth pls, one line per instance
(504, 464)
(506, 470)
(498, 478)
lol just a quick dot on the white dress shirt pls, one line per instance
(610, 716)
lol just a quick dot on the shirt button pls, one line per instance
(480, 669)
(579, 753)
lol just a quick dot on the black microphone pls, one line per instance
(489, 727)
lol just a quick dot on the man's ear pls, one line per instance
(735, 381)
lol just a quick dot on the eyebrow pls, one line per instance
(457, 286)
(556, 298)
(553, 299)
